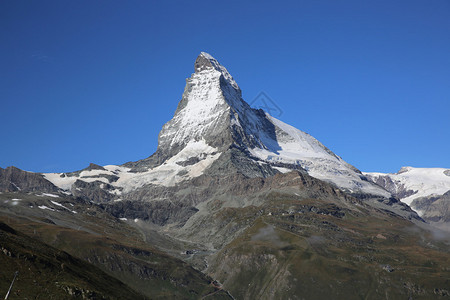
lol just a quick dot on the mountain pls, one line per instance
(234, 204)
(426, 190)
(215, 130)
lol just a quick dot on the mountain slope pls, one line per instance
(97, 241)
(46, 272)
(311, 249)
(293, 236)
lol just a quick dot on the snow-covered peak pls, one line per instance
(211, 104)
(202, 107)
(212, 110)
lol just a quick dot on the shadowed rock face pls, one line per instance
(96, 191)
(434, 209)
(202, 63)
(13, 179)
(93, 166)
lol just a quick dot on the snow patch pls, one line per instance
(48, 195)
(65, 183)
(14, 202)
(46, 207)
(282, 170)
(18, 188)
(60, 205)
(168, 174)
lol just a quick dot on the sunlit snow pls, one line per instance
(426, 181)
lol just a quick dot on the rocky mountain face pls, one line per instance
(234, 204)
(13, 179)
(434, 208)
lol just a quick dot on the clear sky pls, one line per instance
(94, 81)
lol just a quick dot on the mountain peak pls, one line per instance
(213, 127)
(205, 61)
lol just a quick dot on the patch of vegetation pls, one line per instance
(104, 243)
(48, 273)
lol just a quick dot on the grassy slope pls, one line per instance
(311, 249)
(48, 273)
(111, 245)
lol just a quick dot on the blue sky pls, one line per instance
(94, 81)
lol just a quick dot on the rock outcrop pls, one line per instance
(13, 179)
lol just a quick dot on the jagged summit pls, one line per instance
(211, 113)
(205, 61)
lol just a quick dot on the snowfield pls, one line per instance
(169, 173)
(424, 181)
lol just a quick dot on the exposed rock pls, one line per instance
(435, 208)
(388, 268)
(111, 178)
(96, 191)
(13, 179)
(93, 166)
(202, 63)
(157, 212)
(189, 162)
(397, 189)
